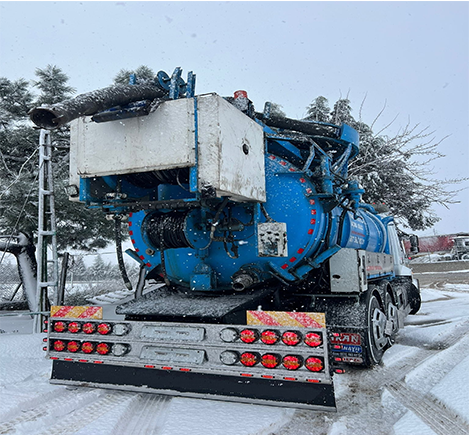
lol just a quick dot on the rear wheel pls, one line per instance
(392, 326)
(375, 337)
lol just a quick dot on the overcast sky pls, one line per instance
(410, 56)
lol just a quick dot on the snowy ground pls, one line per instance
(421, 388)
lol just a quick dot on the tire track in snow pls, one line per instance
(145, 415)
(79, 418)
(434, 414)
(63, 401)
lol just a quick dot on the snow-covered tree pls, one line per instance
(77, 227)
(142, 74)
(318, 110)
(393, 169)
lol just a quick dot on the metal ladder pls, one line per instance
(47, 229)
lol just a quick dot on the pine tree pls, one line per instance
(142, 73)
(78, 228)
(318, 110)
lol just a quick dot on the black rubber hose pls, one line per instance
(120, 258)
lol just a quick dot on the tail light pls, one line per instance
(88, 328)
(229, 357)
(74, 327)
(313, 339)
(73, 346)
(104, 328)
(291, 338)
(270, 337)
(270, 360)
(249, 336)
(103, 348)
(314, 364)
(292, 362)
(60, 326)
(249, 359)
(59, 345)
(229, 335)
(87, 347)
(120, 349)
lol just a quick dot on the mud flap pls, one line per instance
(274, 392)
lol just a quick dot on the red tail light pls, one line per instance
(103, 349)
(104, 328)
(270, 360)
(314, 364)
(59, 345)
(292, 362)
(249, 359)
(73, 346)
(270, 337)
(313, 339)
(74, 327)
(249, 336)
(88, 328)
(87, 347)
(291, 338)
(60, 326)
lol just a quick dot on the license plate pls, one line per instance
(346, 338)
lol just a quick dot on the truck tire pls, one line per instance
(414, 299)
(392, 318)
(376, 340)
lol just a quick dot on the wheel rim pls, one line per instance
(378, 322)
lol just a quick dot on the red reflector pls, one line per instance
(60, 326)
(249, 359)
(291, 338)
(44, 348)
(73, 346)
(87, 347)
(270, 337)
(98, 362)
(74, 327)
(149, 367)
(59, 345)
(44, 340)
(340, 371)
(167, 368)
(290, 379)
(317, 381)
(314, 364)
(185, 370)
(104, 328)
(267, 376)
(103, 349)
(88, 328)
(313, 339)
(68, 359)
(337, 346)
(338, 359)
(270, 360)
(249, 336)
(53, 357)
(292, 362)
(82, 360)
(246, 374)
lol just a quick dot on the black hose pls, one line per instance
(54, 116)
(120, 258)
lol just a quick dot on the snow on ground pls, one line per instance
(421, 388)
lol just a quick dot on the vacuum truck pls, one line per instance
(262, 272)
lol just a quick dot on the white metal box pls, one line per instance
(230, 146)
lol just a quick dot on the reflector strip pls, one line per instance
(167, 368)
(185, 370)
(149, 366)
(76, 312)
(290, 379)
(286, 318)
(246, 374)
(98, 362)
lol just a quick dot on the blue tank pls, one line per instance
(202, 241)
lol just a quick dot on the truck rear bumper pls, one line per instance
(271, 392)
